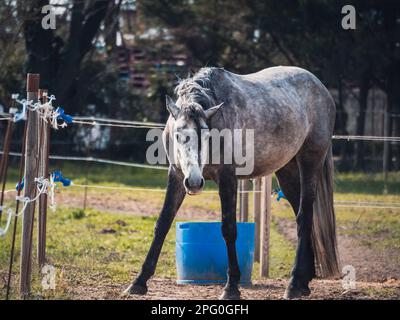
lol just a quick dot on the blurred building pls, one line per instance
(146, 53)
(374, 116)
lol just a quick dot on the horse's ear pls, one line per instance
(172, 107)
(212, 111)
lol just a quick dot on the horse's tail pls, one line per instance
(324, 226)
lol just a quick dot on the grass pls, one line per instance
(378, 228)
(111, 247)
(98, 246)
(368, 183)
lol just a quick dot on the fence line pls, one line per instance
(118, 121)
(367, 138)
(99, 160)
(338, 203)
(95, 123)
(109, 122)
(365, 206)
(369, 202)
(341, 203)
(141, 189)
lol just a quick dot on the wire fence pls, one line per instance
(109, 122)
(338, 203)
(367, 138)
(98, 160)
(95, 121)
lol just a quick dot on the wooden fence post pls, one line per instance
(31, 166)
(257, 216)
(43, 172)
(265, 225)
(244, 200)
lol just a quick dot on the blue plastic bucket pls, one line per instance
(201, 255)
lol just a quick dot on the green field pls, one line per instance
(108, 246)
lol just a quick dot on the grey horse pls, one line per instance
(292, 115)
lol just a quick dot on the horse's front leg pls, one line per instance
(173, 200)
(227, 193)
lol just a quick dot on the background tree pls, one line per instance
(58, 54)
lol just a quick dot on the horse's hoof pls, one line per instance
(230, 294)
(136, 289)
(293, 292)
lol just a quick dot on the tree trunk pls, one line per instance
(57, 63)
(41, 45)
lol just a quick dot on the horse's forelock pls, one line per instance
(193, 111)
(195, 92)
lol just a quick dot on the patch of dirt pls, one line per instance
(371, 264)
(167, 289)
(112, 201)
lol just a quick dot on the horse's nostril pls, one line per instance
(186, 183)
(193, 185)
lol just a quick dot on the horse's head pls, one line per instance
(190, 138)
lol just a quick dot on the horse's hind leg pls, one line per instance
(227, 191)
(289, 182)
(173, 200)
(309, 164)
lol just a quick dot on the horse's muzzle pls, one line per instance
(193, 185)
